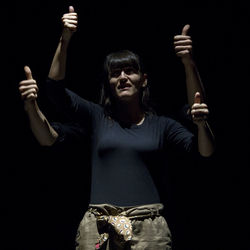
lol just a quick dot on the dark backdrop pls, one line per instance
(45, 193)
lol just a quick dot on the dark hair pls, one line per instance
(122, 59)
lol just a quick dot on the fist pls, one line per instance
(199, 111)
(28, 88)
(183, 43)
(69, 22)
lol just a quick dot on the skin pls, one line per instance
(58, 66)
(126, 85)
(129, 109)
(195, 90)
(183, 49)
(39, 125)
(42, 130)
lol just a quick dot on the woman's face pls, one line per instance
(126, 83)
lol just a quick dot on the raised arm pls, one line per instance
(206, 140)
(39, 125)
(183, 49)
(58, 66)
(195, 93)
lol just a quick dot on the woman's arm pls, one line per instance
(58, 66)
(199, 112)
(40, 127)
(183, 49)
(195, 93)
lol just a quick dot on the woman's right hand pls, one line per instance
(28, 88)
(183, 45)
(69, 22)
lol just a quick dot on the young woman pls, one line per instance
(127, 140)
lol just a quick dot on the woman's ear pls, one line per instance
(144, 80)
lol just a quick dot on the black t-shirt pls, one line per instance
(122, 156)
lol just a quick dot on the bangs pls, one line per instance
(122, 59)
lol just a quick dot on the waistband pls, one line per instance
(132, 212)
(116, 219)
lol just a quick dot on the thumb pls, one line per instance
(197, 97)
(71, 9)
(28, 72)
(185, 29)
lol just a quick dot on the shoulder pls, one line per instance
(161, 119)
(167, 123)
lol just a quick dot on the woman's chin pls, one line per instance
(125, 97)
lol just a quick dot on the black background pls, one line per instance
(44, 193)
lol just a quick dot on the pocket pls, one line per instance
(154, 230)
(87, 228)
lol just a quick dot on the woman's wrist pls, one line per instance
(30, 106)
(66, 37)
(188, 61)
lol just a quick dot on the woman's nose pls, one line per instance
(123, 74)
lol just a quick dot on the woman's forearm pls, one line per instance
(40, 127)
(206, 140)
(193, 82)
(58, 65)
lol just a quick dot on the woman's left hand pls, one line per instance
(70, 23)
(183, 44)
(199, 111)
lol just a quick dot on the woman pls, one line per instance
(127, 140)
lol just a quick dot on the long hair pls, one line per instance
(122, 59)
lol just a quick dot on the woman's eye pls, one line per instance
(129, 71)
(115, 73)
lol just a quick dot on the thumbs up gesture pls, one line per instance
(69, 22)
(183, 44)
(199, 111)
(28, 88)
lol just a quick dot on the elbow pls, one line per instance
(207, 153)
(48, 143)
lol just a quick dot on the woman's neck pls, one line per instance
(129, 113)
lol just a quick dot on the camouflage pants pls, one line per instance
(149, 229)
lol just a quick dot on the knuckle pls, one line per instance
(181, 53)
(21, 82)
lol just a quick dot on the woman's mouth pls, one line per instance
(124, 87)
